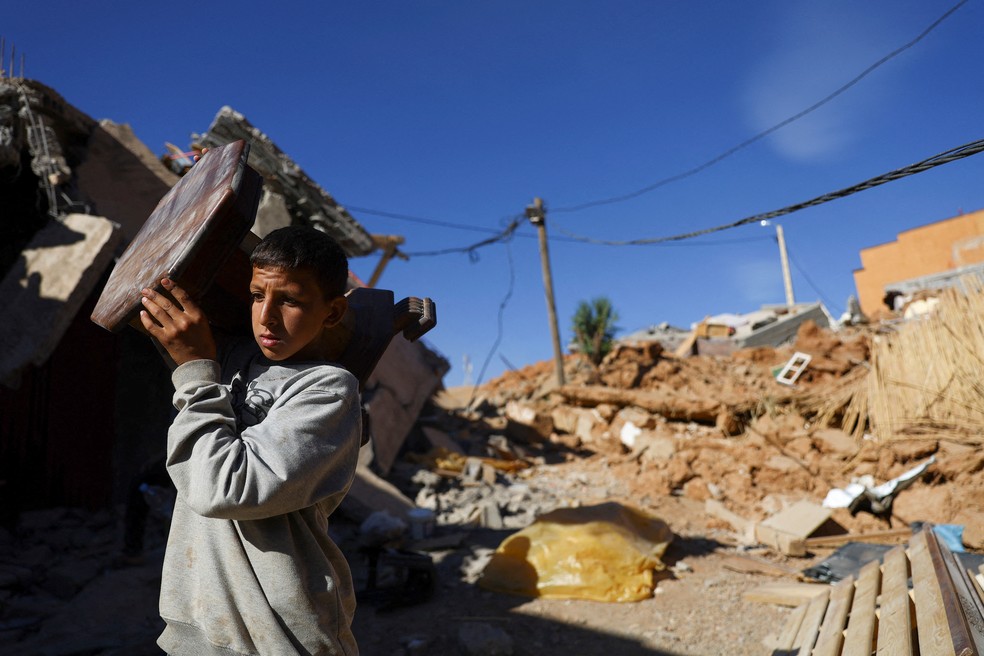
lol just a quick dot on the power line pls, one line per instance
(946, 157)
(420, 219)
(813, 285)
(572, 237)
(498, 338)
(501, 236)
(731, 151)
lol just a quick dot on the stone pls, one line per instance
(481, 639)
(782, 463)
(527, 423)
(912, 451)
(834, 441)
(696, 489)
(654, 447)
(491, 516)
(728, 423)
(973, 523)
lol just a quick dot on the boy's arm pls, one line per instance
(304, 451)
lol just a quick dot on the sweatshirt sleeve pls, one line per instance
(304, 451)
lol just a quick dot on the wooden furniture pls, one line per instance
(191, 235)
(920, 601)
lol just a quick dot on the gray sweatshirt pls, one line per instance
(261, 453)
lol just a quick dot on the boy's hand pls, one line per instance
(181, 328)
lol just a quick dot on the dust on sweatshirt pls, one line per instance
(261, 453)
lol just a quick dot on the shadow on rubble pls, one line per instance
(456, 616)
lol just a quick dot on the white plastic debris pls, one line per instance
(879, 496)
(629, 433)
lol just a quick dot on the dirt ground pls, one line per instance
(702, 428)
(697, 607)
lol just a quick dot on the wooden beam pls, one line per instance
(942, 626)
(860, 633)
(895, 625)
(787, 594)
(841, 540)
(831, 636)
(784, 644)
(810, 628)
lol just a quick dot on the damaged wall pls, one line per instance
(63, 375)
(922, 251)
(88, 409)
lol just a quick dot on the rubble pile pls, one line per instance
(701, 427)
(63, 590)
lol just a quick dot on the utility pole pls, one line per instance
(784, 258)
(537, 214)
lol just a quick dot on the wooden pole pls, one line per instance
(537, 215)
(784, 258)
(388, 244)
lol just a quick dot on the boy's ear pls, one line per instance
(336, 310)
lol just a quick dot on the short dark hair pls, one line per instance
(304, 247)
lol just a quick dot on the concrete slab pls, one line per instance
(42, 293)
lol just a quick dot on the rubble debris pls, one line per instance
(863, 494)
(792, 369)
(846, 561)
(787, 529)
(925, 377)
(483, 639)
(43, 292)
(304, 199)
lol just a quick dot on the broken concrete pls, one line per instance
(43, 292)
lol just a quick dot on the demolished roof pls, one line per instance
(306, 201)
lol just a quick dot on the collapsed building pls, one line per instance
(82, 409)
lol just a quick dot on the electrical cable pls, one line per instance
(504, 235)
(823, 297)
(498, 338)
(420, 219)
(734, 149)
(946, 157)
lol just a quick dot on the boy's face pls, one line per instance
(290, 312)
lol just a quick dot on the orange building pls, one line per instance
(931, 249)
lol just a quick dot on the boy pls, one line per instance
(262, 450)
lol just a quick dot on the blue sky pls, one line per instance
(463, 112)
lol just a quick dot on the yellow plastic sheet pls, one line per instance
(606, 552)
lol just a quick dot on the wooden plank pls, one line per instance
(895, 623)
(860, 634)
(750, 565)
(942, 629)
(806, 637)
(784, 643)
(872, 536)
(970, 603)
(786, 594)
(831, 636)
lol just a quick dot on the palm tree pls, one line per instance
(594, 328)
